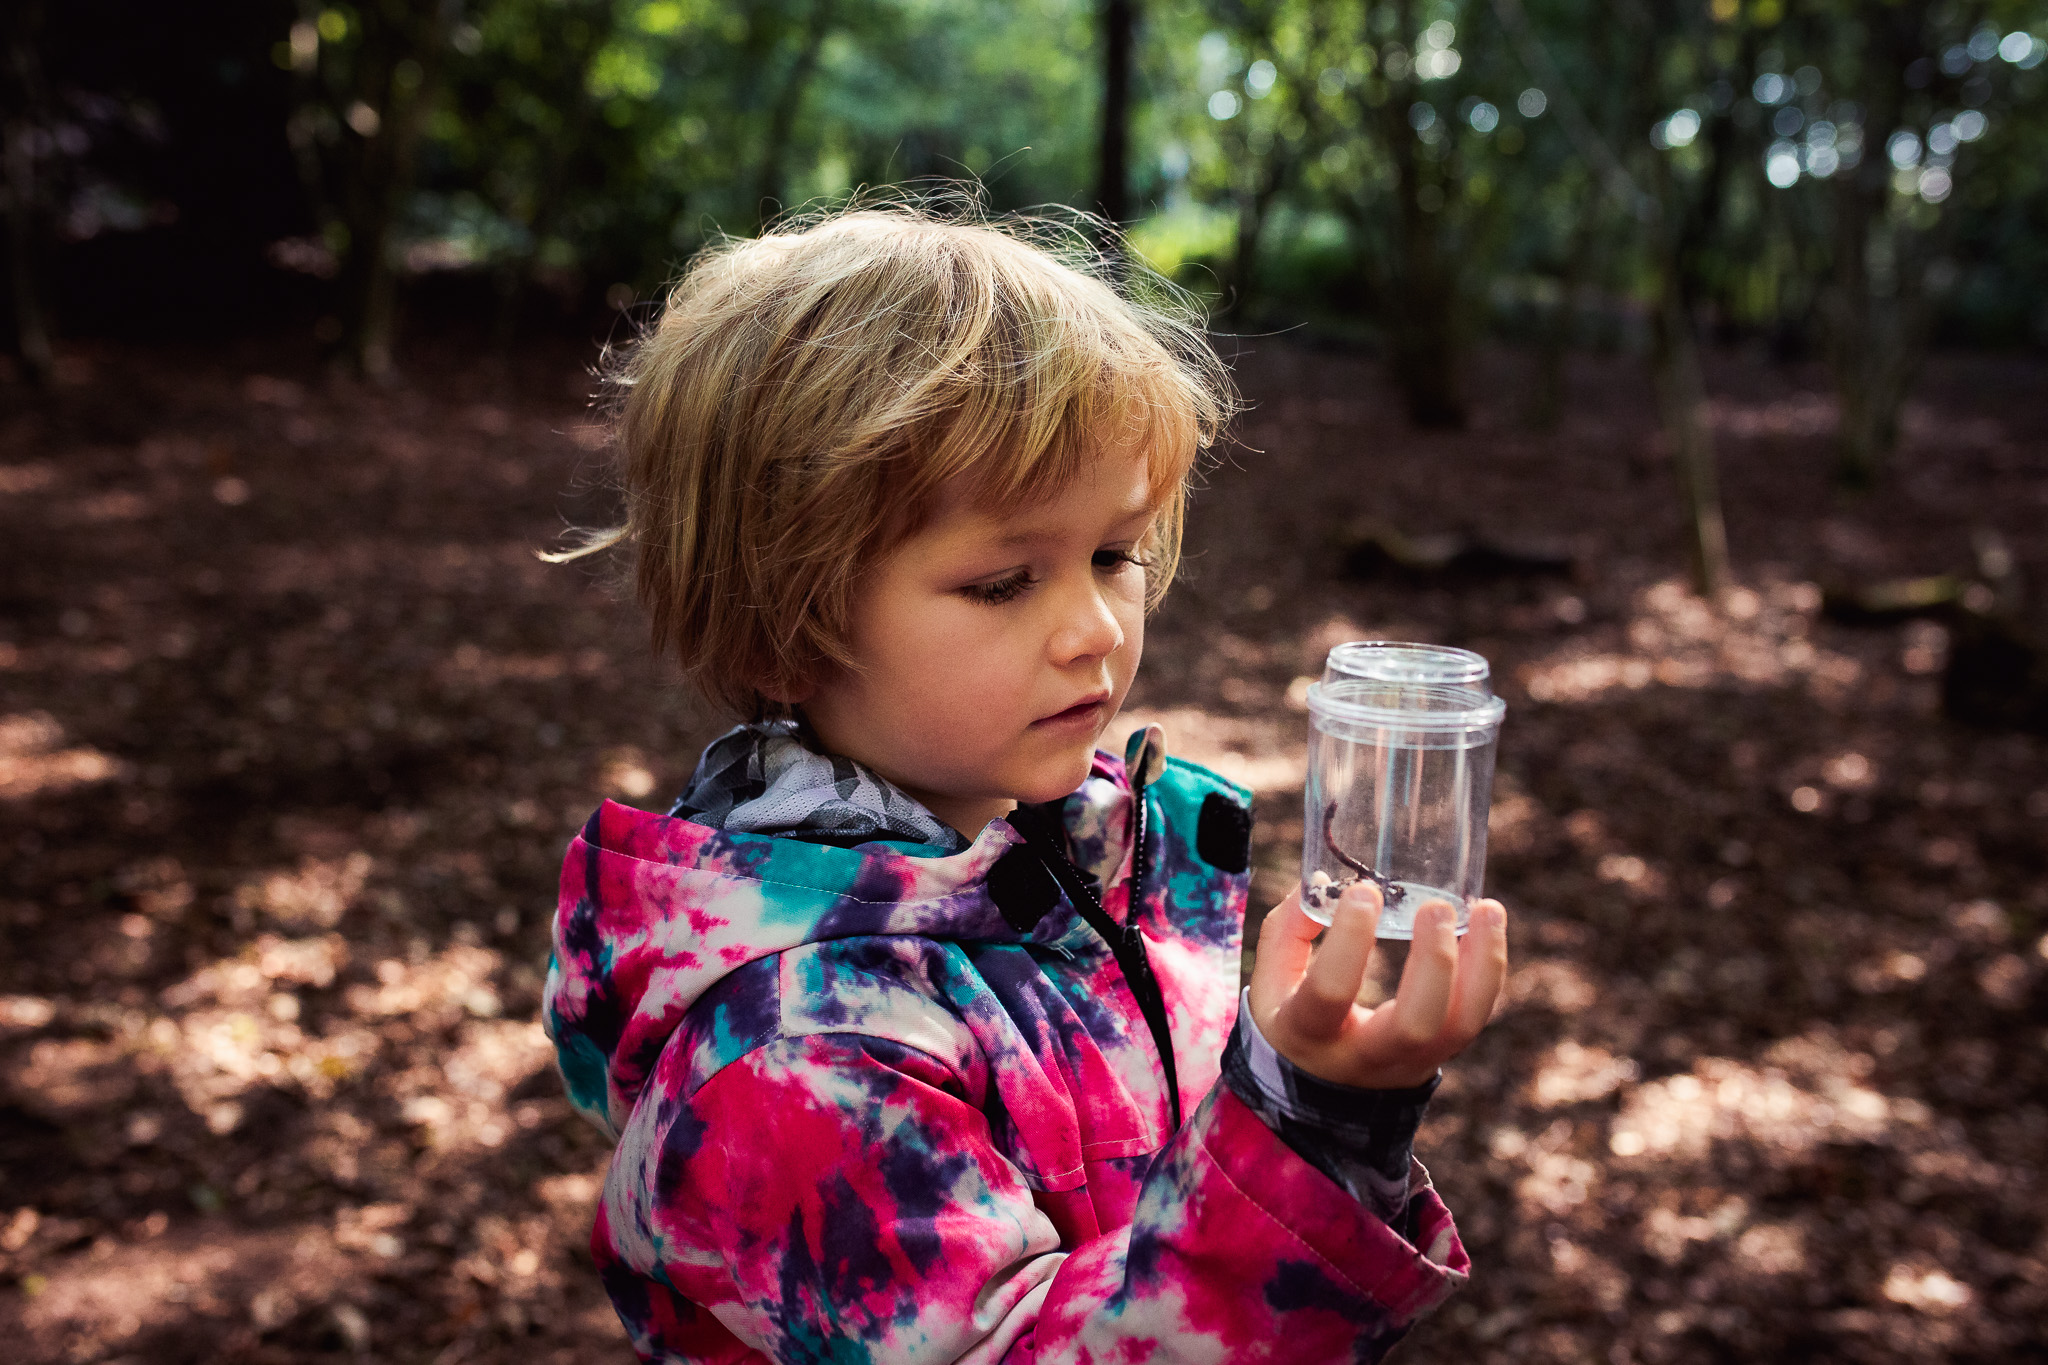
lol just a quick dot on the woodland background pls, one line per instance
(1684, 358)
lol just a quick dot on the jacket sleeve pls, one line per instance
(1362, 1139)
(836, 1197)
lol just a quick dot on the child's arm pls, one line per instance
(840, 1195)
(1348, 1116)
(1362, 1139)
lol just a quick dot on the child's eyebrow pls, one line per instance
(1027, 535)
(1026, 539)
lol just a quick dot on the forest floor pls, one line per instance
(295, 726)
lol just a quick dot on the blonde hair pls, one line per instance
(804, 395)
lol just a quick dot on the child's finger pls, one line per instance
(1482, 970)
(1422, 1002)
(1285, 946)
(1324, 1000)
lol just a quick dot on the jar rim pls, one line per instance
(1406, 706)
(1425, 663)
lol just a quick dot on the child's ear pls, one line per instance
(784, 692)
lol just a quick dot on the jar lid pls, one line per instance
(1401, 661)
(1353, 704)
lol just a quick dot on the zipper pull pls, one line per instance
(1144, 757)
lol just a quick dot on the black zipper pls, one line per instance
(1126, 944)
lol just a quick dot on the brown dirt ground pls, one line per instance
(294, 728)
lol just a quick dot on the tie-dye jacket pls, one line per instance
(862, 1118)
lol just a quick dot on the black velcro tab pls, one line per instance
(1022, 888)
(1224, 834)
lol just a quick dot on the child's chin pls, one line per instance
(1058, 780)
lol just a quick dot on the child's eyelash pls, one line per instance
(1005, 589)
(1002, 590)
(1110, 559)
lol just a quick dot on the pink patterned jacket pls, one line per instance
(887, 1104)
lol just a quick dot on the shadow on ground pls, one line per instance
(296, 726)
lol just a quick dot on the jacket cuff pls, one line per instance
(1405, 1276)
(1362, 1139)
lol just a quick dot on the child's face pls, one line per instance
(995, 646)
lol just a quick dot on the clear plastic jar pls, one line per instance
(1400, 779)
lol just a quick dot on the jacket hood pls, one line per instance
(655, 910)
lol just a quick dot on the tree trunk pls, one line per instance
(1244, 256)
(1866, 336)
(768, 188)
(1849, 339)
(1681, 393)
(31, 334)
(1268, 176)
(1423, 324)
(516, 275)
(1554, 347)
(1876, 309)
(369, 279)
(1676, 231)
(1426, 352)
(1113, 175)
(31, 331)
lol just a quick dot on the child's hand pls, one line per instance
(1306, 1001)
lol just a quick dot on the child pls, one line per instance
(909, 1019)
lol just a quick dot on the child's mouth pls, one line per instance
(1089, 711)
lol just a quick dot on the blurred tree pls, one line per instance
(1264, 131)
(1113, 174)
(1571, 265)
(1917, 81)
(1674, 211)
(374, 71)
(1865, 174)
(545, 88)
(789, 96)
(591, 144)
(1681, 211)
(23, 114)
(1434, 248)
(1364, 110)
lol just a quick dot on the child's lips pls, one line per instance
(1086, 711)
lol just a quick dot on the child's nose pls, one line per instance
(1089, 628)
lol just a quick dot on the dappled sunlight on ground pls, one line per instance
(1757, 639)
(1815, 1101)
(1716, 1189)
(299, 727)
(34, 760)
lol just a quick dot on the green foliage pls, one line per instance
(627, 132)
(1339, 158)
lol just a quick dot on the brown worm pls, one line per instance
(1391, 891)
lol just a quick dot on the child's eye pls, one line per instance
(1002, 590)
(1116, 559)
